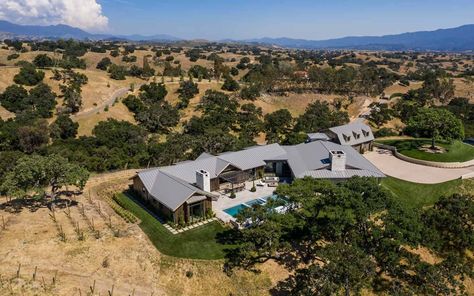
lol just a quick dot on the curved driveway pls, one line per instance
(392, 166)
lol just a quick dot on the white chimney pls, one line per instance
(203, 180)
(338, 160)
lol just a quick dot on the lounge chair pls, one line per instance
(260, 183)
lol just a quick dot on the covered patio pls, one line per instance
(233, 181)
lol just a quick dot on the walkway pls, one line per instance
(392, 166)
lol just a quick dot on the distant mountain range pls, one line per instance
(66, 32)
(454, 39)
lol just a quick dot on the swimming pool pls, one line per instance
(233, 211)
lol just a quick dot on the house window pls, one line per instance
(196, 211)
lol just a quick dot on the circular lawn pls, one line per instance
(455, 151)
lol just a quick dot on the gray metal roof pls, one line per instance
(313, 156)
(353, 133)
(173, 185)
(253, 157)
(318, 136)
(168, 189)
(328, 174)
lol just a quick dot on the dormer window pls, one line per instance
(366, 133)
(356, 135)
(346, 137)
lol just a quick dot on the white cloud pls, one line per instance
(84, 14)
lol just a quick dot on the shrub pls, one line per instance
(43, 61)
(230, 84)
(114, 53)
(385, 132)
(189, 274)
(232, 195)
(29, 76)
(117, 72)
(253, 189)
(250, 92)
(13, 56)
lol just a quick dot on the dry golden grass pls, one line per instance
(6, 77)
(128, 262)
(116, 111)
(5, 114)
(397, 88)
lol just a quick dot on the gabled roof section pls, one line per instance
(306, 158)
(353, 133)
(253, 157)
(168, 189)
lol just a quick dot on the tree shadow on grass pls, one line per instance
(34, 203)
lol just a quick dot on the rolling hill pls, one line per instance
(453, 39)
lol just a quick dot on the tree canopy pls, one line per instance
(34, 173)
(436, 124)
(353, 236)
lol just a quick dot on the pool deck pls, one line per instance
(225, 202)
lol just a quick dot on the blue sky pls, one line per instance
(212, 19)
(239, 19)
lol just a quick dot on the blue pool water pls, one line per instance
(236, 209)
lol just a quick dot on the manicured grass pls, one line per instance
(414, 195)
(198, 243)
(456, 151)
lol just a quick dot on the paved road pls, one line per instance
(392, 166)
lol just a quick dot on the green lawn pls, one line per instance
(456, 151)
(414, 195)
(199, 243)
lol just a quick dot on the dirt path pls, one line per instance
(395, 167)
(117, 94)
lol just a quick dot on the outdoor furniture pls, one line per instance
(272, 181)
(260, 183)
(272, 184)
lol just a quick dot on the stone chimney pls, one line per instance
(338, 160)
(203, 180)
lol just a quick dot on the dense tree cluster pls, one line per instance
(40, 100)
(28, 75)
(187, 90)
(151, 109)
(353, 236)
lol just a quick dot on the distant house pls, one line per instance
(357, 135)
(184, 191)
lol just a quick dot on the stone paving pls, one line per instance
(192, 226)
(225, 202)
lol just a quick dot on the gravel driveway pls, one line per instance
(392, 166)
